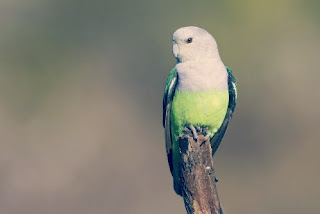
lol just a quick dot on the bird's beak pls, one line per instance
(175, 49)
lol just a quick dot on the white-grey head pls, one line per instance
(193, 43)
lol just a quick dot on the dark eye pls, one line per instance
(189, 40)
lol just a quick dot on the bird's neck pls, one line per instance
(202, 75)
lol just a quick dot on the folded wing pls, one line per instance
(232, 84)
(167, 101)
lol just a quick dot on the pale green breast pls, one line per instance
(199, 109)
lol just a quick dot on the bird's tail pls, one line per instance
(177, 187)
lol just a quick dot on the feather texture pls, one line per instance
(169, 92)
(232, 84)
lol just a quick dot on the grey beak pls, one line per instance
(175, 49)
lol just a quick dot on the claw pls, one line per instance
(205, 130)
(207, 137)
(186, 131)
(194, 132)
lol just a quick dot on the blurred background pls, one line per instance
(81, 86)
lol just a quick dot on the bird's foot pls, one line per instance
(191, 131)
(194, 132)
(207, 136)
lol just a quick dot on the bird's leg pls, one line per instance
(199, 129)
(194, 132)
(185, 132)
(206, 134)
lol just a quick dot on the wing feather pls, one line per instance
(167, 100)
(232, 84)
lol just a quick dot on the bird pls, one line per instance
(200, 94)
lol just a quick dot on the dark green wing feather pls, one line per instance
(169, 92)
(232, 84)
(167, 100)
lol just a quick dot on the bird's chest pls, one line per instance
(201, 77)
(202, 107)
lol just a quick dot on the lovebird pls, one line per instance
(200, 93)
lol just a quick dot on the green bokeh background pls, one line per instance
(81, 87)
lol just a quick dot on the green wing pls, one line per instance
(232, 84)
(167, 100)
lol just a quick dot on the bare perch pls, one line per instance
(197, 175)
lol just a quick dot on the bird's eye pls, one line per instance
(189, 40)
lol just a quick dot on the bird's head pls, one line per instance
(193, 43)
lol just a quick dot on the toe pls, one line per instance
(207, 136)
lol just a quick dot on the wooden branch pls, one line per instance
(197, 178)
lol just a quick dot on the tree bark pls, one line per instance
(198, 182)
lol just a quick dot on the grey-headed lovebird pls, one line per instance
(200, 92)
